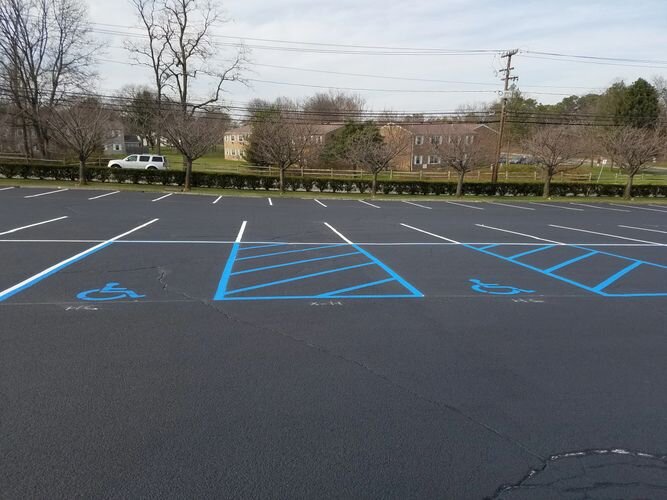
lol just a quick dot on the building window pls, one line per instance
(436, 140)
(418, 160)
(233, 138)
(419, 140)
(116, 147)
(241, 138)
(434, 160)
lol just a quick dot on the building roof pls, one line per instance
(444, 128)
(246, 129)
(317, 129)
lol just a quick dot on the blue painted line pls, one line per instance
(257, 269)
(297, 278)
(292, 251)
(630, 259)
(489, 246)
(617, 276)
(535, 250)
(262, 246)
(390, 272)
(53, 271)
(311, 297)
(224, 279)
(571, 261)
(353, 288)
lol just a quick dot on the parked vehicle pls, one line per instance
(143, 162)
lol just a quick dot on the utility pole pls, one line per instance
(503, 113)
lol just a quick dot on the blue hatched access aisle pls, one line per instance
(279, 271)
(603, 273)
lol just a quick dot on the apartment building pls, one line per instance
(427, 138)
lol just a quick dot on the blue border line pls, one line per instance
(530, 252)
(54, 271)
(390, 272)
(571, 261)
(224, 279)
(315, 297)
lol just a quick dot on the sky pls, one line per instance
(609, 29)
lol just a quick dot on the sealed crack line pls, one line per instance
(523, 484)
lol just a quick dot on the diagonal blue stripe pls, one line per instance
(529, 252)
(489, 246)
(617, 276)
(571, 261)
(297, 278)
(390, 272)
(224, 279)
(262, 246)
(291, 251)
(353, 288)
(257, 269)
(311, 297)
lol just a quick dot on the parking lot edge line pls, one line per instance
(608, 235)
(27, 283)
(33, 225)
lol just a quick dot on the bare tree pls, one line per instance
(153, 53)
(375, 151)
(634, 149)
(282, 138)
(45, 50)
(464, 154)
(141, 114)
(193, 134)
(81, 128)
(554, 149)
(334, 106)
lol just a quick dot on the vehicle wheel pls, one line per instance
(115, 166)
(151, 168)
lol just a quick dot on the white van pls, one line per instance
(144, 162)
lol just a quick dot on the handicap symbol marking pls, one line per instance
(494, 289)
(110, 291)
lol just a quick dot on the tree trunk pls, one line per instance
(82, 172)
(282, 180)
(628, 187)
(26, 139)
(459, 185)
(374, 185)
(188, 174)
(158, 125)
(547, 185)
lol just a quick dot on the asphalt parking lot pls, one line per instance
(173, 346)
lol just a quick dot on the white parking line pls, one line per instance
(163, 197)
(342, 237)
(417, 205)
(270, 202)
(511, 206)
(556, 206)
(369, 204)
(318, 201)
(644, 229)
(639, 208)
(658, 206)
(5, 189)
(5, 294)
(217, 200)
(606, 234)
(520, 234)
(48, 192)
(462, 205)
(103, 195)
(33, 225)
(431, 234)
(599, 208)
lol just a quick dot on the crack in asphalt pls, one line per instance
(438, 404)
(521, 484)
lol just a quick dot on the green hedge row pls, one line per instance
(256, 182)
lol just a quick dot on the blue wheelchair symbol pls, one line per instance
(494, 289)
(110, 291)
